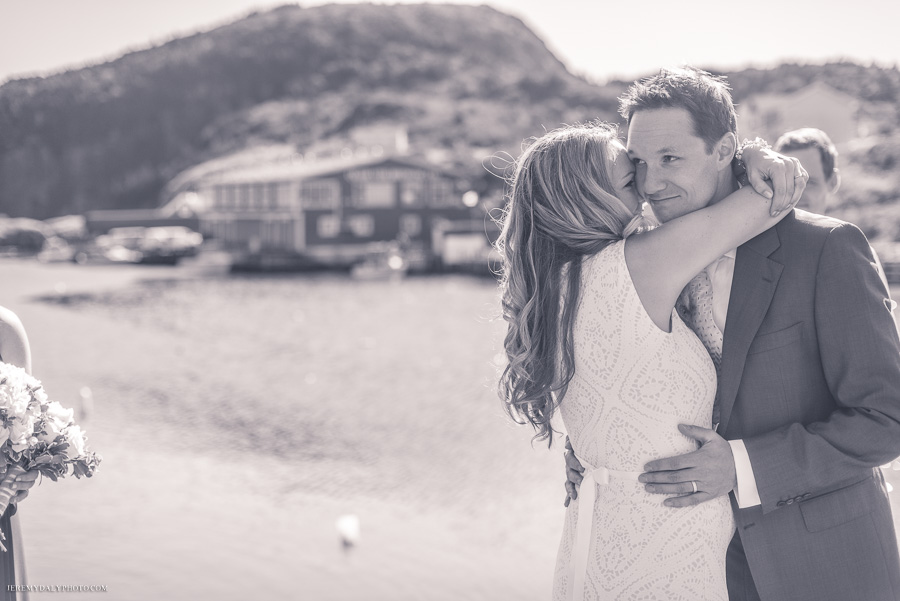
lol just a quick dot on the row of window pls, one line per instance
(363, 226)
(249, 196)
(436, 192)
(262, 234)
(280, 233)
(326, 194)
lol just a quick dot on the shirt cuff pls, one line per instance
(746, 493)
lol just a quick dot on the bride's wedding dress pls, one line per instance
(633, 385)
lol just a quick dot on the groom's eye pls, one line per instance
(669, 158)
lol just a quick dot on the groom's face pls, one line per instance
(673, 169)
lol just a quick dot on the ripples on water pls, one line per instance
(397, 376)
(325, 396)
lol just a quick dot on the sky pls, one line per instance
(599, 40)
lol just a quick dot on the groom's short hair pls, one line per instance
(704, 96)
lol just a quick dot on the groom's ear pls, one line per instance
(834, 182)
(724, 150)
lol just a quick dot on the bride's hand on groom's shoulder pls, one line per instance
(574, 473)
(699, 476)
(776, 176)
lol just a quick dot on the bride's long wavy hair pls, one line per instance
(561, 207)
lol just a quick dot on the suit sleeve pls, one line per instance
(860, 354)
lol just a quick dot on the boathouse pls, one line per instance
(331, 211)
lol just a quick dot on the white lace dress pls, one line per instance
(633, 385)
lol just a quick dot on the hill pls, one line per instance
(112, 135)
(468, 81)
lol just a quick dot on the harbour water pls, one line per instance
(240, 417)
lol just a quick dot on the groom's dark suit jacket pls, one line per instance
(810, 380)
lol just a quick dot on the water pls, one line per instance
(241, 417)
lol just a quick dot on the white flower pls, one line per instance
(41, 395)
(60, 415)
(51, 429)
(75, 438)
(19, 405)
(46, 436)
(21, 431)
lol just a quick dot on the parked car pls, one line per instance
(168, 244)
(56, 249)
(160, 245)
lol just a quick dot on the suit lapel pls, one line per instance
(755, 279)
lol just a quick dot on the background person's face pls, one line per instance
(674, 172)
(819, 187)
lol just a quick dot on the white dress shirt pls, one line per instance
(721, 274)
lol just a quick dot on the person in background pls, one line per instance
(819, 157)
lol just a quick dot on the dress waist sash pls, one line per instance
(587, 495)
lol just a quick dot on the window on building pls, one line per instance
(411, 225)
(244, 196)
(258, 191)
(271, 195)
(362, 226)
(328, 226)
(375, 194)
(442, 193)
(248, 229)
(275, 234)
(412, 193)
(320, 194)
(230, 197)
(219, 195)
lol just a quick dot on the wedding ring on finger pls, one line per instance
(693, 486)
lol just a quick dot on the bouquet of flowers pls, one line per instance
(37, 434)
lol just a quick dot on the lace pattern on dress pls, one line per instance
(633, 385)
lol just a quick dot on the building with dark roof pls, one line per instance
(333, 211)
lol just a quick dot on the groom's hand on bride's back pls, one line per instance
(696, 477)
(574, 473)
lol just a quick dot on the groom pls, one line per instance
(808, 401)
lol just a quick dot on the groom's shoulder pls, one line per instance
(810, 226)
(812, 222)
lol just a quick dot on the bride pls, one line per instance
(589, 292)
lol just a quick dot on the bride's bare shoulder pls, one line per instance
(9, 321)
